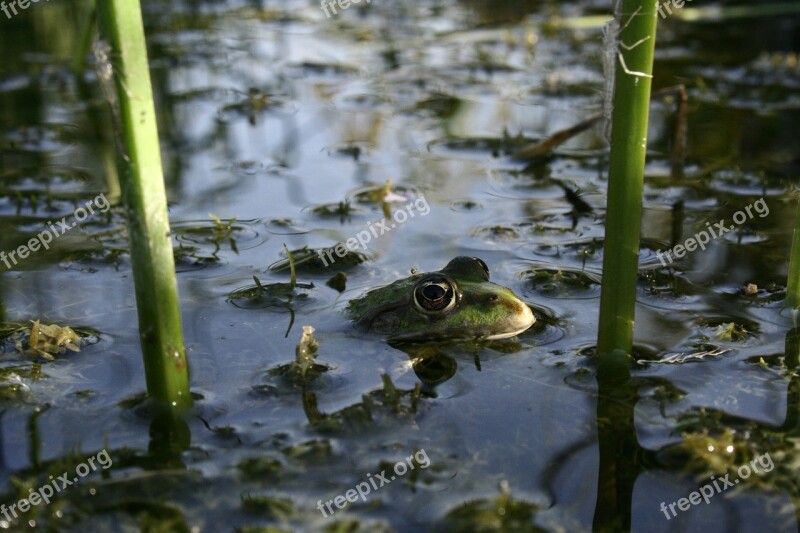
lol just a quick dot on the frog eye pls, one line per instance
(435, 294)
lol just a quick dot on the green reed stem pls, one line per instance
(142, 177)
(793, 282)
(626, 175)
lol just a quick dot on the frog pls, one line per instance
(456, 303)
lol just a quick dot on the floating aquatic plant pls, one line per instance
(260, 468)
(321, 259)
(731, 332)
(341, 210)
(338, 282)
(502, 513)
(281, 295)
(47, 340)
(269, 506)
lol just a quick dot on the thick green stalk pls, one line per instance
(160, 328)
(637, 20)
(793, 283)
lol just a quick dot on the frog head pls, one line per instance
(456, 303)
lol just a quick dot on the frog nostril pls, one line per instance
(493, 299)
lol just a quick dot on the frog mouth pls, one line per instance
(523, 320)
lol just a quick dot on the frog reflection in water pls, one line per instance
(457, 303)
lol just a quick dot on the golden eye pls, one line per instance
(434, 295)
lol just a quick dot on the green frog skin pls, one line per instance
(457, 303)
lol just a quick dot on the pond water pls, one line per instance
(282, 127)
